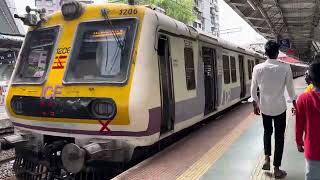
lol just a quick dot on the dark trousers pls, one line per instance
(280, 127)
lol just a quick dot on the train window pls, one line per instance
(189, 67)
(36, 55)
(252, 66)
(249, 69)
(256, 61)
(102, 54)
(226, 69)
(233, 69)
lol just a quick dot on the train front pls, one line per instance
(69, 93)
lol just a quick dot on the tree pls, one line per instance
(181, 10)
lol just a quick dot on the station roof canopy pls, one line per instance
(10, 42)
(11, 36)
(296, 20)
(8, 23)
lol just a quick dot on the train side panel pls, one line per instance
(145, 98)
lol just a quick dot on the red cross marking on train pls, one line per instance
(104, 125)
(58, 62)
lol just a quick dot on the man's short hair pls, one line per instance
(314, 73)
(272, 49)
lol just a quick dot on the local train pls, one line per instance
(94, 82)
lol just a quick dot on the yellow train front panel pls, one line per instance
(57, 87)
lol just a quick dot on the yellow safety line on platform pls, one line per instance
(201, 166)
(258, 173)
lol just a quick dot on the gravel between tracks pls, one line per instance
(6, 154)
(6, 168)
(6, 171)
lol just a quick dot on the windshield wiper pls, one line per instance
(120, 43)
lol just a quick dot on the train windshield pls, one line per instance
(102, 52)
(36, 55)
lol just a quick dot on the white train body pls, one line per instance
(176, 77)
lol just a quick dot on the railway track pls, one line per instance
(6, 156)
(6, 164)
(6, 127)
(6, 130)
(6, 133)
(8, 159)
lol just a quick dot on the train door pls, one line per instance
(209, 60)
(166, 85)
(242, 77)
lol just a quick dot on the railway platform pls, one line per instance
(229, 147)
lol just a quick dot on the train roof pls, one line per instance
(226, 44)
(295, 64)
(179, 28)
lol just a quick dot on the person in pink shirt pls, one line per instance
(308, 124)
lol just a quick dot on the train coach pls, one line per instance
(94, 82)
(298, 69)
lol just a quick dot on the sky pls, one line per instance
(228, 19)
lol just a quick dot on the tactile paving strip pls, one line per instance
(208, 159)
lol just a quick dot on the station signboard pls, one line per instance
(284, 45)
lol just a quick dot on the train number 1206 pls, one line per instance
(128, 11)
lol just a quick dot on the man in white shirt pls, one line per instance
(272, 77)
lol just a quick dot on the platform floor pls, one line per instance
(227, 148)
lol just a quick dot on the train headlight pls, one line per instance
(104, 109)
(16, 105)
(72, 10)
(73, 158)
